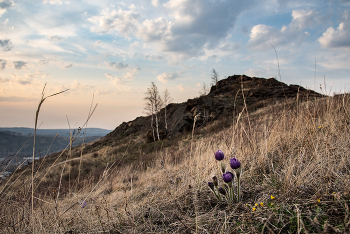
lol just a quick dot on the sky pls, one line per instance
(108, 52)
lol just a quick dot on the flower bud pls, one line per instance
(215, 181)
(235, 163)
(222, 190)
(219, 155)
(211, 185)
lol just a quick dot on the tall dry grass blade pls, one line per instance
(43, 98)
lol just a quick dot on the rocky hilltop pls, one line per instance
(224, 99)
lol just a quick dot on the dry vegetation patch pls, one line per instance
(295, 160)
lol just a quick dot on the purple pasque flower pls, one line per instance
(83, 204)
(219, 155)
(211, 185)
(235, 163)
(227, 177)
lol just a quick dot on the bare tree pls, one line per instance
(153, 106)
(214, 77)
(149, 108)
(204, 91)
(166, 100)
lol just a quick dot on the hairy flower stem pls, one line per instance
(217, 194)
(232, 194)
(238, 194)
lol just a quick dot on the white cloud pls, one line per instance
(29, 78)
(262, 36)
(305, 19)
(181, 88)
(123, 21)
(198, 85)
(152, 57)
(117, 65)
(165, 77)
(193, 27)
(155, 3)
(120, 81)
(336, 38)
(56, 2)
(77, 87)
(154, 30)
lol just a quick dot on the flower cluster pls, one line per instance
(227, 189)
(83, 204)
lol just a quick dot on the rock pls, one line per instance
(226, 96)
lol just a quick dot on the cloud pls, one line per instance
(2, 64)
(153, 57)
(336, 38)
(192, 26)
(200, 24)
(78, 87)
(4, 4)
(262, 36)
(28, 78)
(155, 3)
(154, 30)
(46, 61)
(198, 85)
(4, 80)
(19, 64)
(181, 88)
(117, 65)
(165, 77)
(69, 65)
(55, 38)
(52, 2)
(21, 80)
(123, 21)
(120, 81)
(6, 44)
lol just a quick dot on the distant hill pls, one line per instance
(52, 132)
(12, 139)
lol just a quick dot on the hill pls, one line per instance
(293, 149)
(14, 139)
(226, 99)
(52, 132)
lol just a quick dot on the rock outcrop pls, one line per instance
(226, 97)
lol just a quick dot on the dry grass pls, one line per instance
(298, 154)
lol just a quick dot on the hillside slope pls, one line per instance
(224, 100)
(295, 178)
